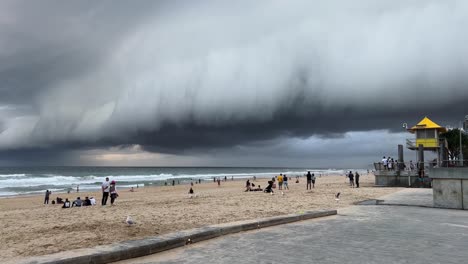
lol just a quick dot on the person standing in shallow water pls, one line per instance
(105, 191)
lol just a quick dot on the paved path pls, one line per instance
(359, 234)
(413, 197)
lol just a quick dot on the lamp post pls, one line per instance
(461, 147)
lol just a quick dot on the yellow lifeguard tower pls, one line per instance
(427, 134)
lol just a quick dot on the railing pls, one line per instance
(414, 166)
(449, 163)
(398, 166)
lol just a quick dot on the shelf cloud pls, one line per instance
(178, 76)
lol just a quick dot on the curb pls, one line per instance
(147, 246)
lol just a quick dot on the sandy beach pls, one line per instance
(30, 228)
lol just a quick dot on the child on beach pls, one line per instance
(191, 193)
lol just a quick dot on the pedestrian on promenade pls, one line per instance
(356, 179)
(105, 191)
(309, 181)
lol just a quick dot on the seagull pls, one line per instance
(282, 193)
(129, 221)
(337, 197)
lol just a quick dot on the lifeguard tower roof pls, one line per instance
(426, 123)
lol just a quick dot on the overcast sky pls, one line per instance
(226, 83)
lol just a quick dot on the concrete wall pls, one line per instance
(392, 179)
(450, 187)
(447, 193)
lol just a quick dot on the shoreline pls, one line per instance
(151, 184)
(32, 228)
(34, 181)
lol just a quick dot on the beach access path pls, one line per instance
(400, 231)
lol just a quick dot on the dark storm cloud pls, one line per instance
(177, 76)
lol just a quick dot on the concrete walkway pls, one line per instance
(358, 234)
(411, 197)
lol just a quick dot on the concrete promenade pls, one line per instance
(359, 234)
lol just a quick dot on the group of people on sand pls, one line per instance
(250, 187)
(283, 183)
(353, 179)
(108, 189)
(88, 201)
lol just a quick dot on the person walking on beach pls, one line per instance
(351, 179)
(285, 182)
(309, 181)
(219, 182)
(113, 192)
(356, 179)
(105, 191)
(47, 195)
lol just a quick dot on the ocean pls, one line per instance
(33, 180)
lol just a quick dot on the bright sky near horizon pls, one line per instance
(226, 83)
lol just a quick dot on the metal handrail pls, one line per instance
(450, 164)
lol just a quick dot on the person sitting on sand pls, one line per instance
(92, 200)
(78, 202)
(247, 185)
(131, 189)
(66, 204)
(59, 200)
(258, 189)
(87, 202)
(269, 188)
(191, 193)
